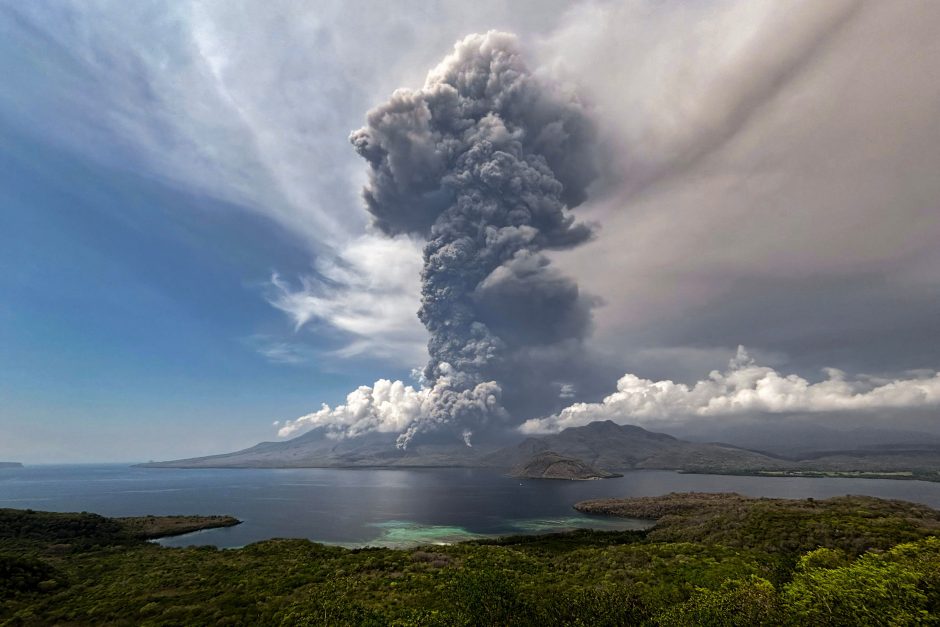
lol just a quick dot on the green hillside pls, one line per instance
(710, 559)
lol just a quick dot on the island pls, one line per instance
(11, 465)
(551, 465)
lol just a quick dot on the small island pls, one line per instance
(11, 465)
(551, 465)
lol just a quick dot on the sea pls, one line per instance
(385, 507)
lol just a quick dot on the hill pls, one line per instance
(624, 447)
(551, 465)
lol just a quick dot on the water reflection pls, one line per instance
(380, 506)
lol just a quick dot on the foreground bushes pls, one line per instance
(708, 574)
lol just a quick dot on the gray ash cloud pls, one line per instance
(484, 162)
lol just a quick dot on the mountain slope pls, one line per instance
(315, 450)
(619, 447)
(599, 445)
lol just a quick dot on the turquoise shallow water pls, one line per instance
(384, 507)
(404, 533)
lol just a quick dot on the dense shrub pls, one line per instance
(757, 562)
(23, 574)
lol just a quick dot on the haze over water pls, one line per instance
(384, 507)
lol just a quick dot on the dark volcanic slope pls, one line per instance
(315, 450)
(599, 445)
(604, 445)
(612, 446)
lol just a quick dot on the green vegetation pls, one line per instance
(709, 560)
(150, 527)
(913, 475)
(24, 530)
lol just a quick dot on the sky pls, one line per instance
(186, 256)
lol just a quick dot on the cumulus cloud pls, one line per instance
(393, 407)
(744, 388)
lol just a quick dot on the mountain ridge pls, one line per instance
(598, 445)
(601, 444)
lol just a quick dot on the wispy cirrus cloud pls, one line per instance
(278, 351)
(253, 104)
(368, 293)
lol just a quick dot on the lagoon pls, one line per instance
(385, 507)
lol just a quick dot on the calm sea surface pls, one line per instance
(383, 507)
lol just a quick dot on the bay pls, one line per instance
(385, 507)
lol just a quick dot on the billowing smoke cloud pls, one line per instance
(744, 388)
(484, 163)
(393, 407)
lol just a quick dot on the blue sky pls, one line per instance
(161, 165)
(133, 315)
(185, 257)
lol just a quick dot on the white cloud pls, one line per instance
(393, 407)
(370, 292)
(386, 407)
(744, 388)
(253, 103)
(283, 353)
(245, 101)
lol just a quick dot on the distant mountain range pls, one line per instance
(804, 437)
(611, 446)
(600, 447)
(603, 445)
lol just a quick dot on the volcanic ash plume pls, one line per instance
(483, 163)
